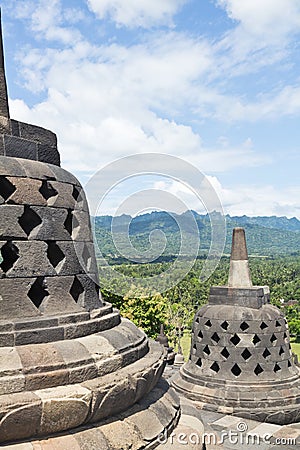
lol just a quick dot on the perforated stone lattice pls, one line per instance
(68, 250)
(256, 346)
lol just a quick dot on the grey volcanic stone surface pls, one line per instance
(241, 357)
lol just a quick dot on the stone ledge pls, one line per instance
(48, 411)
(50, 329)
(125, 431)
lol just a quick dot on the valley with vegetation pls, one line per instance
(274, 258)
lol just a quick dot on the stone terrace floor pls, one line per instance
(226, 431)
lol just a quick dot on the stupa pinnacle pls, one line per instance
(4, 109)
(240, 360)
(239, 273)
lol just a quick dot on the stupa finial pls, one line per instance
(4, 109)
(239, 273)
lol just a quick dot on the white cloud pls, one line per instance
(109, 100)
(268, 20)
(137, 13)
(49, 20)
(252, 200)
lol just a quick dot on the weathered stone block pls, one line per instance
(9, 222)
(44, 357)
(52, 227)
(64, 198)
(70, 265)
(81, 226)
(147, 423)
(36, 381)
(20, 416)
(10, 362)
(92, 440)
(39, 335)
(38, 170)
(64, 407)
(1, 145)
(32, 260)
(14, 301)
(90, 299)
(4, 120)
(11, 166)
(59, 298)
(48, 154)
(121, 435)
(64, 176)
(40, 322)
(7, 339)
(11, 384)
(19, 148)
(73, 353)
(27, 192)
(38, 134)
(15, 129)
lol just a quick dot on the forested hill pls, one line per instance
(266, 236)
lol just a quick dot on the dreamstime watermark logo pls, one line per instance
(173, 169)
(241, 436)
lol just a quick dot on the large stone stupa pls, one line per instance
(241, 361)
(73, 373)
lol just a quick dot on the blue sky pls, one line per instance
(215, 82)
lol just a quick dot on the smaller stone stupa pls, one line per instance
(241, 361)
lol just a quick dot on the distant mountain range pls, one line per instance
(266, 236)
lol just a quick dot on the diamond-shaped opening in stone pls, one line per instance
(235, 339)
(215, 338)
(200, 334)
(199, 362)
(71, 222)
(225, 325)
(263, 326)
(38, 291)
(86, 256)
(258, 370)
(206, 350)
(256, 339)
(208, 323)
(68, 223)
(236, 370)
(281, 351)
(47, 190)
(55, 254)
(277, 368)
(225, 353)
(6, 188)
(266, 353)
(277, 324)
(284, 335)
(76, 289)
(75, 193)
(10, 254)
(273, 338)
(246, 354)
(215, 367)
(289, 363)
(244, 326)
(29, 220)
